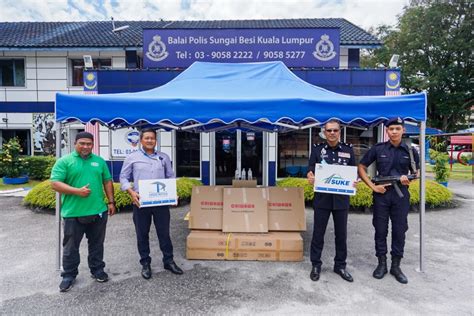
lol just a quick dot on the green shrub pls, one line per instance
(440, 168)
(184, 186)
(13, 165)
(363, 197)
(300, 183)
(436, 194)
(39, 167)
(43, 196)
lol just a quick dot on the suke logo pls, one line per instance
(336, 180)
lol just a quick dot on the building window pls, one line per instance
(12, 72)
(293, 154)
(77, 67)
(187, 154)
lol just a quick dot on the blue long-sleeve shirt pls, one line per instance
(141, 166)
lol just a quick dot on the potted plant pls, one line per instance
(13, 165)
(441, 169)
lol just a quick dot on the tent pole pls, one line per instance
(58, 201)
(422, 194)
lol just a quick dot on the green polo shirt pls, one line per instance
(78, 172)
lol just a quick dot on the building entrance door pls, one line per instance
(238, 150)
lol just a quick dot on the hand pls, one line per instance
(404, 180)
(310, 177)
(112, 210)
(380, 188)
(135, 198)
(84, 191)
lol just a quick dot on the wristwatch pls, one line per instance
(111, 202)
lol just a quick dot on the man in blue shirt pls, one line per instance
(148, 164)
(393, 158)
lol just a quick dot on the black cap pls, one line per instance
(395, 121)
(84, 135)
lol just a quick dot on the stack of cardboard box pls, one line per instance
(246, 223)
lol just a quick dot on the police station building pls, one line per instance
(37, 60)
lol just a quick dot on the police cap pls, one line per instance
(395, 121)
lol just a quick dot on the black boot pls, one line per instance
(381, 269)
(396, 271)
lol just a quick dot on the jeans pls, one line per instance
(73, 233)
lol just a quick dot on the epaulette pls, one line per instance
(347, 144)
(380, 144)
(318, 144)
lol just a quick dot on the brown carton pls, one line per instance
(245, 210)
(286, 211)
(244, 183)
(212, 245)
(206, 208)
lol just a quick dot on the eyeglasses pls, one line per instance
(332, 130)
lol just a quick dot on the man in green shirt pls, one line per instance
(81, 177)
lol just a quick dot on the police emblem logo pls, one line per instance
(157, 49)
(324, 49)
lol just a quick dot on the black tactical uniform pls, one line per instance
(391, 161)
(326, 203)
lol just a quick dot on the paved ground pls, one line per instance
(29, 281)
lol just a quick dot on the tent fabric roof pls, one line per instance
(256, 95)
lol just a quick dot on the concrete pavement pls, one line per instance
(29, 281)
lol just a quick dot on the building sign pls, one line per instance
(295, 47)
(124, 142)
(90, 82)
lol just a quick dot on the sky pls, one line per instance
(364, 13)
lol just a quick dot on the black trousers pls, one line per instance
(142, 218)
(73, 233)
(321, 218)
(390, 206)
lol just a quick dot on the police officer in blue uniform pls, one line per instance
(393, 158)
(325, 204)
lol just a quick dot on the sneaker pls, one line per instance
(66, 284)
(101, 277)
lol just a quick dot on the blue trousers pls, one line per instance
(321, 218)
(389, 206)
(142, 218)
(73, 233)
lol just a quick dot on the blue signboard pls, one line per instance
(294, 47)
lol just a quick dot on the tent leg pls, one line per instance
(422, 195)
(58, 201)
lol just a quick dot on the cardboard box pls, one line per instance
(244, 183)
(245, 210)
(212, 245)
(286, 210)
(206, 207)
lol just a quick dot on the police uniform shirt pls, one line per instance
(342, 154)
(391, 160)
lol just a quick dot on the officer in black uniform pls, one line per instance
(330, 152)
(393, 158)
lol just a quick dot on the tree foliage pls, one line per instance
(434, 40)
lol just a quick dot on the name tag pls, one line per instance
(344, 155)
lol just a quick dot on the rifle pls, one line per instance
(392, 180)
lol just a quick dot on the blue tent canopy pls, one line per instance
(213, 96)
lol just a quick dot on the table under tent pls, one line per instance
(267, 96)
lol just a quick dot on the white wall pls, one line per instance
(46, 73)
